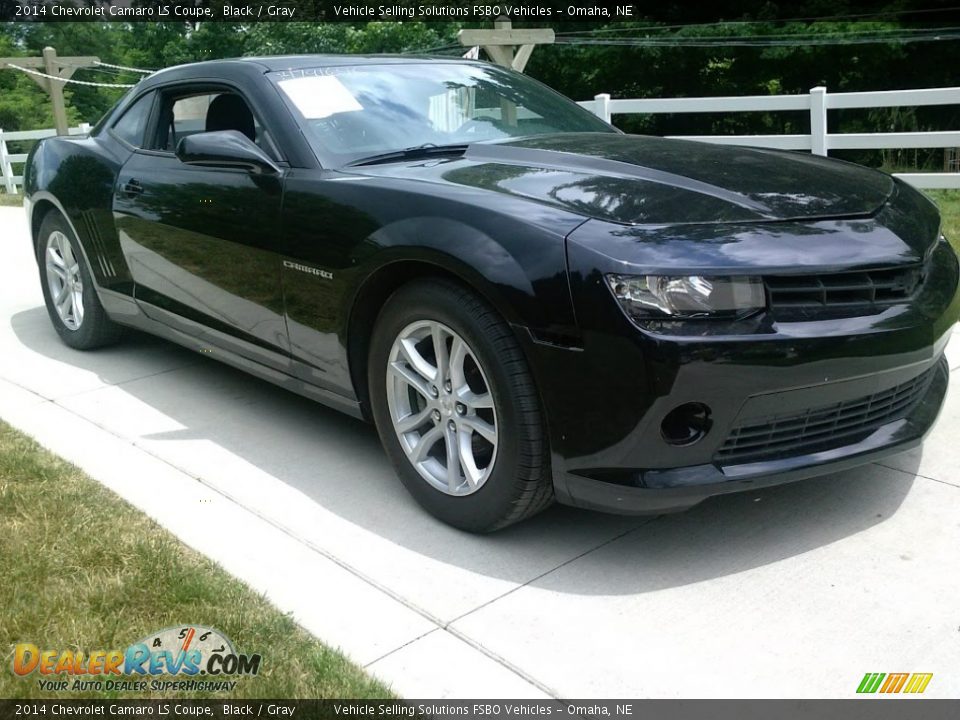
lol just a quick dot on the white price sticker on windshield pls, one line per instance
(320, 96)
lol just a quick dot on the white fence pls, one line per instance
(8, 159)
(817, 102)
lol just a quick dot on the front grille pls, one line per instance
(843, 289)
(822, 428)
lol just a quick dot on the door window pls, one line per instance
(185, 115)
(130, 127)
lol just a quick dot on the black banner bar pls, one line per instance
(872, 708)
(474, 11)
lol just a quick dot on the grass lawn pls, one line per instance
(949, 202)
(10, 200)
(80, 569)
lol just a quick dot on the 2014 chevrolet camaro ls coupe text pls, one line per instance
(527, 302)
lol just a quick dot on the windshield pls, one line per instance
(353, 112)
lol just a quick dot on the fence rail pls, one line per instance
(816, 103)
(8, 159)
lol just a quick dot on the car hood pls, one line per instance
(634, 179)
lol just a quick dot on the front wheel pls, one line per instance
(456, 408)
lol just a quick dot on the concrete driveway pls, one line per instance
(794, 591)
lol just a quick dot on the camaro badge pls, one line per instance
(325, 274)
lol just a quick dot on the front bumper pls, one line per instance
(606, 396)
(677, 489)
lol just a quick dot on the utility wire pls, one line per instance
(124, 67)
(68, 80)
(108, 67)
(798, 36)
(801, 41)
(891, 35)
(774, 21)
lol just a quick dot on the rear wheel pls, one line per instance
(456, 408)
(68, 291)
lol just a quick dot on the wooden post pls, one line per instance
(505, 51)
(508, 109)
(55, 88)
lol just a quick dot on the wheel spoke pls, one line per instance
(440, 352)
(413, 421)
(453, 459)
(65, 301)
(423, 446)
(66, 305)
(409, 351)
(466, 460)
(58, 271)
(458, 353)
(481, 427)
(54, 258)
(66, 249)
(475, 400)
(61, 293)
(78, 305)
(410, 377)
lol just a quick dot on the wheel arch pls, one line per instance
(42, 204)
(376, 289)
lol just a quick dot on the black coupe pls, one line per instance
(527, 302)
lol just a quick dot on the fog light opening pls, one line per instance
(686, 424)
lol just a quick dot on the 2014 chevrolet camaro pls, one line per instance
(528, 303)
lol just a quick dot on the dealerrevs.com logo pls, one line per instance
(172, 659)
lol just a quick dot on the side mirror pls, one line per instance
(225, 149)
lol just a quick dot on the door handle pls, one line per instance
(132, 187)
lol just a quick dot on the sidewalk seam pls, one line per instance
(606, 542)
(120, 383)
(917, 475)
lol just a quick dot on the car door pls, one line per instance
(203, 243)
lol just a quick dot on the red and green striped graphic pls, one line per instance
(913, 683)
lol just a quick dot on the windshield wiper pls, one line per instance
(411, 153)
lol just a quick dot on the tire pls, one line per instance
(85, 325)
(500, 477)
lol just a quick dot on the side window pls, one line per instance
(184, 115)
(132, 124)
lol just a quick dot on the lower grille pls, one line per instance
(823, 428)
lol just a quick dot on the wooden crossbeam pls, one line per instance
(61, 67)
(506, 46)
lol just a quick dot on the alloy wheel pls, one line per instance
(64, 279)
(441, 407)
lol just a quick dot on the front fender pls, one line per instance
(527, 287)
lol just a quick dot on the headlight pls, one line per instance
(647, 297)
